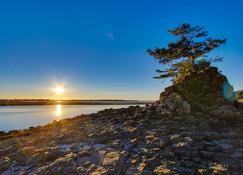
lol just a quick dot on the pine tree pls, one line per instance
(186, 55)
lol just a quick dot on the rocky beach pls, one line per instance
(166, 137)
(134, 140)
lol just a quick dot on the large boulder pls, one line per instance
(172, 105)
(175, 104)
(203, 90)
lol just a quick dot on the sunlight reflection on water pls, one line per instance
(20, 117)
(58, 112)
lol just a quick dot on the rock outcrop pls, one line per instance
(203, 90)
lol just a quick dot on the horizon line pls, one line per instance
(46, 99)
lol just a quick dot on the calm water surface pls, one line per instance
(20, 117)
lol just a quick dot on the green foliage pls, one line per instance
(187, 54)
(201, 88)
(239, 95)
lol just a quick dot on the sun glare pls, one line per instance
(59, 90)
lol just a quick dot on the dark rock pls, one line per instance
(5, 163)
(203, 90)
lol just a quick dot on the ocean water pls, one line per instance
(21, 117)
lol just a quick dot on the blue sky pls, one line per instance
(97, 49)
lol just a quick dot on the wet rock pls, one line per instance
(163, 169)
(225, 145)
(160, 142)
(206, 154)
(62, 165)
(229, 114)
(5, 163)
(111, 158)
(238, 153)
(204, 126)
(138, 115)
(52, 153)
(34, 159)
(138, 170)
(99, 171)
(218, 168)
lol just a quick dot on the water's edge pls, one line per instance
(22, 117)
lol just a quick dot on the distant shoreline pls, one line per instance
(70, 102)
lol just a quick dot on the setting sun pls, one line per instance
(59, 90)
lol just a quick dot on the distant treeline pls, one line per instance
(25, 102)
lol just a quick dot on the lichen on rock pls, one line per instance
(203, 90)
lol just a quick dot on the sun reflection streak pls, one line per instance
(58, 112)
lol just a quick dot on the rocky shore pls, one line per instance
(162, 138)
(194, 128)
